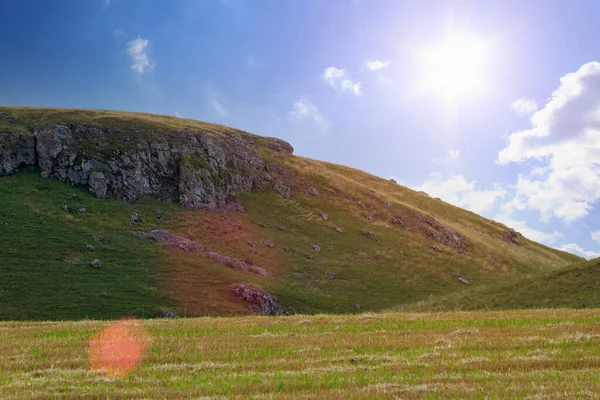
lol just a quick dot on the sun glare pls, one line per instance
(455, 68)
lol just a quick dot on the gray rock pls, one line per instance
(370, 235)
(65, 208)
(369, 217)
(495, 258)
(96, 239)
(324, 216)
(268, 245)
(82, 210)
(167, 314)
(463, 281)
(396, 221)
(89, 247)
(286, 250)
(313, 192)
(251, 244)
(357, 306)
(339, 230)
(331, 275)
(260, 301)
(72, 196)
(160, 215)
(282, 228)
(284, 190)
(393, 181)
(512, 236)
(135, 217)
(96, 264)
(315, 248)
(195, 168)
(7, 118)
(436, 248)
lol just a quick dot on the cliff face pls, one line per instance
(194, 168)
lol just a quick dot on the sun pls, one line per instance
(455, 68)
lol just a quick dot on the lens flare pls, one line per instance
(118, 348)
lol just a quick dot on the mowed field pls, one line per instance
(501, 354)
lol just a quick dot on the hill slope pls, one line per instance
(576, 286)
(332, 238)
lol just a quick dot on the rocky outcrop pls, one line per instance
(198, 169)
(260, 301)
(440, 233)
(512, 236)
(179, 242)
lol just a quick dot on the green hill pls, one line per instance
(333, 239)
(576, 286)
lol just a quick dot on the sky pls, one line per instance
(493, 106)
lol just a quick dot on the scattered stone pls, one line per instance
(369, 217)
(286, 250)
(512, 236)
(436, 248)
(89, 247)
(7, 118)
(441, 234)
(464, 281)
(324, 216)
(313, 192)
(96, 239)
(65, 208)
(339, 230)
(96, 264)
(331, 275)
(252, 251)
(315, 248)
(309, 257)
(396, 221)
(160, 215)
(72, 196)
(268, 244)
(166, 314)
(390, 205)
(370, 235)
(82, 210)
(260, 301)
(495, 258)
(135, 217)
(261, 225)
(282, 228)
(179, 242)
(284, 190)
(357, 306)
(251, 244)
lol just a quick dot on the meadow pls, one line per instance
(501, 354)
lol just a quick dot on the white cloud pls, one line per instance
(529, 233)
(454, 153)
(335, 78)
(349, 85)
(218, 107)
(305, 109)
(137, 49)
(375, 65)
(524, 106)
(596, 236)
(564, 142)
(458, 191)
(574, 248)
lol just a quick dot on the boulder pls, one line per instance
(96, 239)
(463, 281)
(135, 217)
(370, 235)
(339, 230)
(436, 248)
(324, 216)
(284, 190)
(313, 192)
(260, 300)
(331, 275)
(96, 264)
(89, 247)
(315, 248)
(167, 314)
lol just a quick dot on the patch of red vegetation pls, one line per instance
(118, 348)
(200, 286)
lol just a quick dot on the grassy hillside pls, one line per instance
(575, 286)
(44, 264)
(550, 354)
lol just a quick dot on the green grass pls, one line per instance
(575, 286)
(552, 354)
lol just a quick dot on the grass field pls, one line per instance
(550, 354)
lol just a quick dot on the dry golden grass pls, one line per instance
(550, 354)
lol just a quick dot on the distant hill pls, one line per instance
(236, 218)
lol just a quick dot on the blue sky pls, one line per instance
(491, 105)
